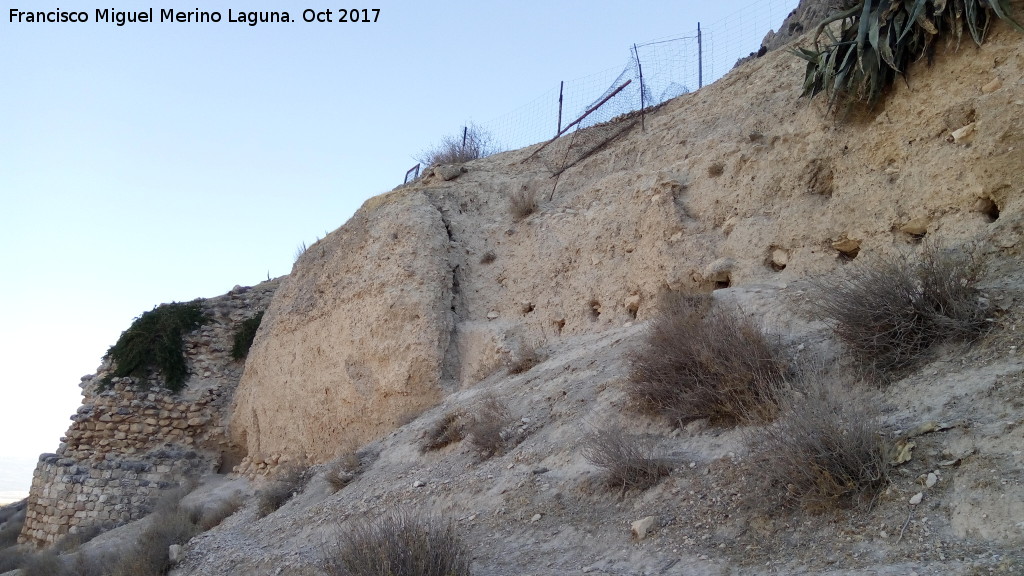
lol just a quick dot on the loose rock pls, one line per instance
(641, 527)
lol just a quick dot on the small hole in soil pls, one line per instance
(723, 283)
(989, 208)
(595, 309)
(559, 324)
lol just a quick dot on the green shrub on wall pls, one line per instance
(154, 343)
(245, 335)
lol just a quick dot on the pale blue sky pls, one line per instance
(158, 162)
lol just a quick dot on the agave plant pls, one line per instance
(877, 39)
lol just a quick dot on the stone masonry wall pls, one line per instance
(130, 441)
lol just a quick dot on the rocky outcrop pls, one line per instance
(354, 342)
(132, 439)
(804, 18)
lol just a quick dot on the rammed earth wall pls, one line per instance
(131, 440)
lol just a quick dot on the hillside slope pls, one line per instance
(741, 187)
(740, 183)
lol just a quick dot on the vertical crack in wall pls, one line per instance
(450, 363)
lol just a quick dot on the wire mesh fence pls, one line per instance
(654, 72)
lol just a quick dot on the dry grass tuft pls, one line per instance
(889, 311)
(46, 563)
(11, 558)
(522, 203)
(826, 450)
(12, 523)
(488, 257)
(629, 462)
(73, 541)
(716, 169)
(524, 359)
(448, 430)
(287, 484)
(208, 518)
(488, 426)
(170, 523)
(399, 544)
(699, 361)
(343, 470)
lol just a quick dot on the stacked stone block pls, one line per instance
(133, 438)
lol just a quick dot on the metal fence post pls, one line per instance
(700, 59)
(640, 70)
(561, 87)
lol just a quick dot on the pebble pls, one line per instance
(916, 498)
(932, 479)
(535, 518)
(419, 484)
(992, 86)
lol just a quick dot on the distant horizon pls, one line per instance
(12, 477)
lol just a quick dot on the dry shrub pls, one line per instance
(474, 142)
(889, 311)
(170, 523)
(524, 359)
(89, 564)
(272, 496)
(11, 558)
(488, 426)
(10, 527)
(219, 512)
(399, 544)
(488, 257)
(46, 563)
(699, 361)
(716, 169)
(13, 510)
(522, 203)
(628, 461)
(448, 430)
(825, 451)
(343, 470)
(74, 540)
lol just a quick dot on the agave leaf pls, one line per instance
(926, 24)
(872, 74)
(875, 40)
(1002, 10)
(885, 46)
(805, 54)
(977, 21)
(846, 67)
(915, 10)
(862, 30)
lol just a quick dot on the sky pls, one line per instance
(157, 162)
